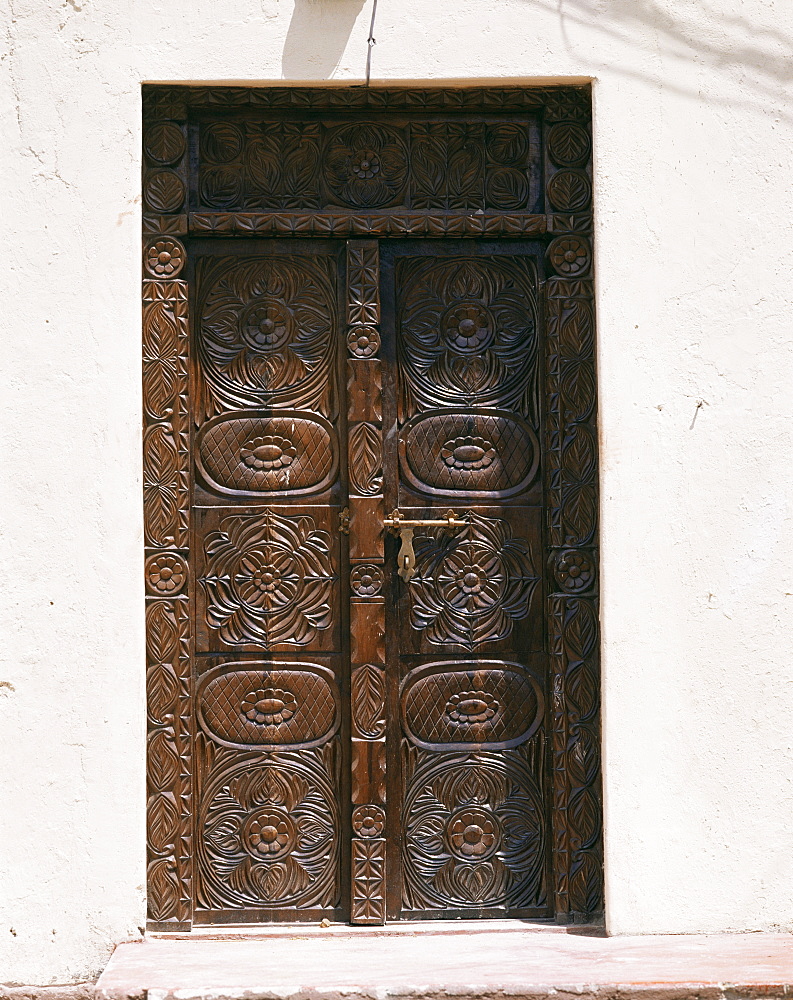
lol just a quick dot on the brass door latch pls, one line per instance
(403, 527)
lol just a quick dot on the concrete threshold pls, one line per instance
(502, 960)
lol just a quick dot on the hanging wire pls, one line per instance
(370, 42)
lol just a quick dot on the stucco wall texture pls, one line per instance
(693, 144)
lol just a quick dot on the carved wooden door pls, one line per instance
(358, 717)
(370, 505)
(466, 663)
(270, 608)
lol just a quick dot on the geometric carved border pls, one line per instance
(571, 504)
(166, 511)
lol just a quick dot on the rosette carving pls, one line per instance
(268, 579)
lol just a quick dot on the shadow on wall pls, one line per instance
(756, 58)
(317, 37)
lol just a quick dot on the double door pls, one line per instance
(370, 670)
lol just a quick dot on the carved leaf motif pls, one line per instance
(163, 823)
(220, 187)
(577, 330)
(569, 190)
(580, 629)
(221, 142)
(508, 144)
(163, 890)
(429, 169)
(507, 189)
(579, 514)
(162, 688)
(163, 762)
(585, 885)
(473, 883)
(164, 191)
(160, 485)
(300, 168)
(162, 631)
(579, 455)
(264, 169)
(159, 360)
(583, 758)
(578, 390)
(368, 701)
(582, 689)
(568, 144)
(164, 142)
(366, 464)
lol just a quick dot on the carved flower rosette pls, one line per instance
(473, 587)
(266, 333)
(365, 166)
(268, 579)
(468, 336)
(270, 836)
(473, 833)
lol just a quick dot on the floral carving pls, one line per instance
(471, 707)
(269, 833)
(468, 453)
(266, 332)
(472, 834)
(269, 452)
(366, 580)
(570, 255)
(268, 579)
(473, 831)
(473, 587)
(269, 707)
(166, 573)
(368, 821)
(365, 165)
(363, 341)
(468, 328)
(165, 258)
(575, 571)
(467, 334)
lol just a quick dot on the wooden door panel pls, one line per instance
(271, 637)
(475, 589)
(268, 579)
(468, 655)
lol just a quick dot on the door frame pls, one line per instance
(563, 223)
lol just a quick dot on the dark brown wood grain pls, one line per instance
(357, 299)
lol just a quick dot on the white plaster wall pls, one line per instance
(694, 141)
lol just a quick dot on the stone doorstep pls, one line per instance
(452, 961)
(615, 991)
